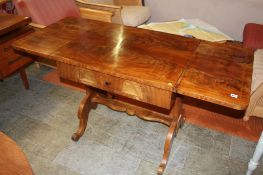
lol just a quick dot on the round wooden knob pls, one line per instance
(107, 83)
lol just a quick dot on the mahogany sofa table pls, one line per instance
(142, 72)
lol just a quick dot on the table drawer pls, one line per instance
(131, 89)
(127, 88)
(7, 53)
(10, 62)
(68, 72)
(6, 50)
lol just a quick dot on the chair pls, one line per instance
(253, 36)
(253, 39)
(127, 12)
(46, 12)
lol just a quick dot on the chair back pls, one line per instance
(46, 12)
(253, 36)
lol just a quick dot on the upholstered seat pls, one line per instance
(257, 77)
(255, 107)
(253, 39)
(135, 15)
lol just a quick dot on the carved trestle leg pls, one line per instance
(83, 113)
(177, 119)
(174, 120)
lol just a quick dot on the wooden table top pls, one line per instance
(12, 159)
(214, 72)
(10, 22)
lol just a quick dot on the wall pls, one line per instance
(229, 16)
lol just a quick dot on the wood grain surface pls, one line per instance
(12, 28)
(117, 63)
(12, 159)
(10, 22)
(215, 72)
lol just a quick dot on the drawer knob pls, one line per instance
(107, 83)
(6, 49)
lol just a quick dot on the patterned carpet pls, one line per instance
(205, 115)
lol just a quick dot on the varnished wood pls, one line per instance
(111, 8)
(177, 119)
(114, 8)
(24, 78)
(118, 50)
(131, 109)
(146, 66)
(12, 159)
(131, 89)
(10, 22)
(191, 67)
(219, 73)
(13, 27)
(128, 2)
(173, 120)
(68, 72)
(93, 14)
(83, 114)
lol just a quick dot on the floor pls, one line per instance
(41, 120)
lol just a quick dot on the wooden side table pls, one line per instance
(13, 27)
(12, 160)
